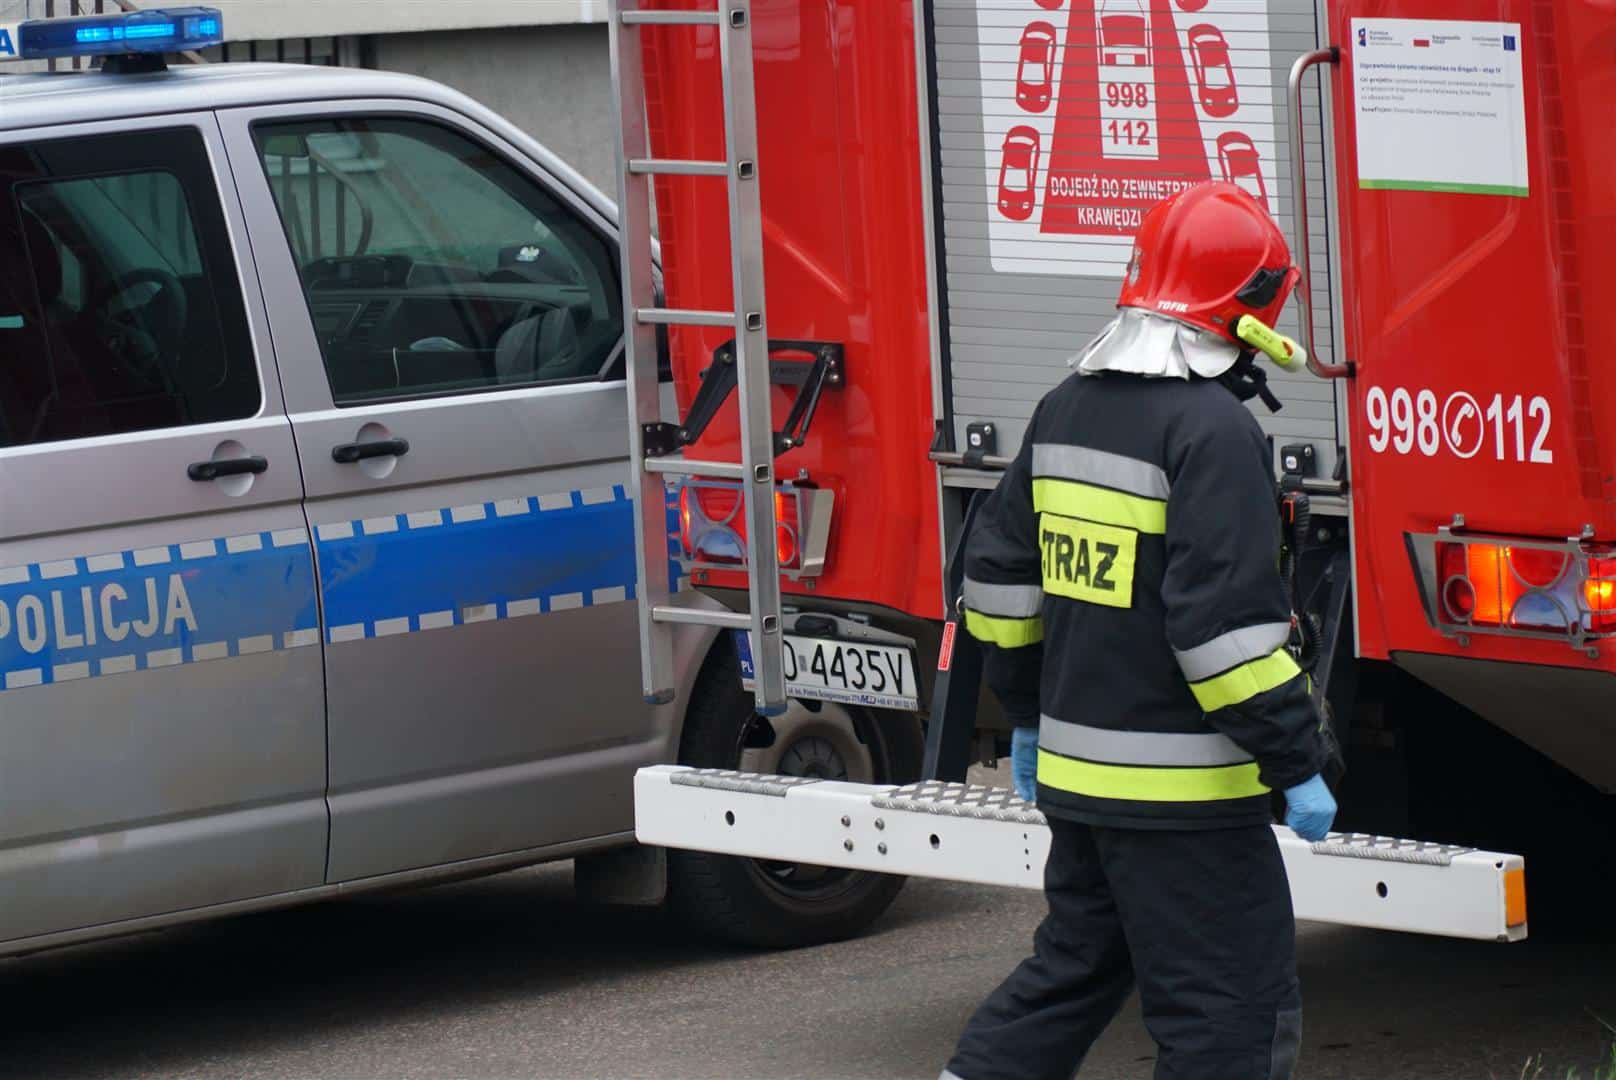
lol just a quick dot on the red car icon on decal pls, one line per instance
(1124, 34)
(1214, 72)
(1018, 173)
(1035, 67)
(1241, 164)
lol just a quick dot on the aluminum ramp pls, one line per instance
(988, 836)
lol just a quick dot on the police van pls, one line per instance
(316, 558)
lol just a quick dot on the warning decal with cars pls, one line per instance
(1094, 110)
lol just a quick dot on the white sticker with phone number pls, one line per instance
(1511, 427)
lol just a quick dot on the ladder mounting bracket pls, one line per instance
(660, 439)
(810, 366)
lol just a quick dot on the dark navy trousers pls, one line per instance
(1201, 921)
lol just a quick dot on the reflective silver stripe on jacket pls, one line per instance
(1228, 651)
(1138, 747)
(1007, 601)
(1099, 467)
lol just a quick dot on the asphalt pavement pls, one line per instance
(511, 977)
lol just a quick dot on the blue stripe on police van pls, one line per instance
(480, 562)
(209, 599)
(157, 607)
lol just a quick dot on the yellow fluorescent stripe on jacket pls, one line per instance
(1072, 499)
(1002, 631)
(1246, 681)
(1143, 783)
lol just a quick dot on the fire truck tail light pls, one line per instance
(1600, 591)
(713, 526)
(786, 524)
(1522, 587)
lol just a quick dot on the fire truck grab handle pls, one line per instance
(1304, 261)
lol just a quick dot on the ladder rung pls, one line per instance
(671, 613)
(672, 167)
(672, 466)
(682, 317)
(671, 18)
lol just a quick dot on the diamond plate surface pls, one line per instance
(1389, 849)
(960, 800)
(742, 782)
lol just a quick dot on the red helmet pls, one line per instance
(1207, 256)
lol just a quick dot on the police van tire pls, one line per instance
(740, 900)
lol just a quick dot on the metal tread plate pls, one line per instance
(960, 800)
(1389, 849)
(744, 783)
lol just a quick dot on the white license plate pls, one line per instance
(851, 672)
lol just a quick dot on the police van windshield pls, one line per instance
(431, 265)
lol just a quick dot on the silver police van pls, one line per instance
(316, 559)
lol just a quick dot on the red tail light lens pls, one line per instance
(785, 530)
(719, 505)
(713, 525)
(1539, 568)
(1505, 586)
(1496, 585)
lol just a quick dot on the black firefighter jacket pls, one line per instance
(1124, 581)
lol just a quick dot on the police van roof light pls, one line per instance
(158, 30)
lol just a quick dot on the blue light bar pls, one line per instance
(159, 30)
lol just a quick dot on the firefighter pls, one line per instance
(1123, 580)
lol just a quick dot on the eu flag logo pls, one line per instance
(1509, 42)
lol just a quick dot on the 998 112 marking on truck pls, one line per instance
(1406, 421)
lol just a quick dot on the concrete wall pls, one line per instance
(553, 82)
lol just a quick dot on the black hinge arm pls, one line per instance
(826, 370)
(720, 378)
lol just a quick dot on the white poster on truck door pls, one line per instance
(1095, 110)
(1439, 105)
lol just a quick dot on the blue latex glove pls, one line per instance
(1024, 762)
(1310, 809)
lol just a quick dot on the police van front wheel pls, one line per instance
(775, 904)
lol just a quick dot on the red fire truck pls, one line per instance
(837, 254)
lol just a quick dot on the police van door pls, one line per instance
(162, 728)
(446, 321)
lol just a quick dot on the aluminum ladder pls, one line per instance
(659, 607)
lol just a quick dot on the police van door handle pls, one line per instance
(348, 453)
(203, 471)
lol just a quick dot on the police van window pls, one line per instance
(432, 266)
(120, 310)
